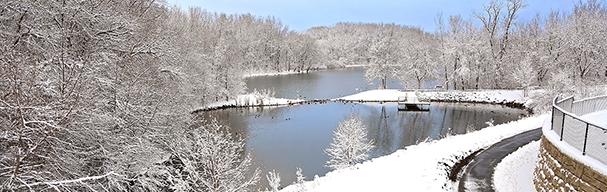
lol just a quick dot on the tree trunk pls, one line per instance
(384, 82)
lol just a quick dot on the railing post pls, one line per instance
(585, 140)
(552, 119)
(563, 125)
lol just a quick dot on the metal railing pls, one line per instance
(587, 137)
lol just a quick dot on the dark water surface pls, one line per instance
(283, 138)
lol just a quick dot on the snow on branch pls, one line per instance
(53, 183)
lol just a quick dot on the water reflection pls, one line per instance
(286, 137)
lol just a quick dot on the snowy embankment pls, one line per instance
(481, 96)
(422, 167)
(515, 171)
(251, 100)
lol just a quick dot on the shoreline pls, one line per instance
(312, 70)
(508, 98)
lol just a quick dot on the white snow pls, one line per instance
(419, 167)
(597, 118)
(376, 95)
(515, 171)
(250, 100)
(488, 96)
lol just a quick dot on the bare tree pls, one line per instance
(491, 22)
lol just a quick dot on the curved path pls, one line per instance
(478, 175)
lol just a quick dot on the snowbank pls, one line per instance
(480, 96)
(416, 168)
(252, 100)
(515, 171)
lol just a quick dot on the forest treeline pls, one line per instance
(492, 50)
(97, 95)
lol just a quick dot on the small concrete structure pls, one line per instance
(411, 103)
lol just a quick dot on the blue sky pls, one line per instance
(301, 15)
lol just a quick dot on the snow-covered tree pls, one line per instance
(299, 180)
(350, 144)
(72, 73)
(299, 176)
(218, 161)
(273, 180)
(384, 54)
(420, 59)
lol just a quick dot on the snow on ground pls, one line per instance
(416, 168)
(250, 100)
(485, 96)
(515, 171)
(489, 96)
(376, 95)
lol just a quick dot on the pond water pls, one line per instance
(328, 84)
(284, 138)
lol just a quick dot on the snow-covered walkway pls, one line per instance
(478, 175)
(598, 118)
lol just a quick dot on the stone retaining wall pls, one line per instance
(556, 171)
